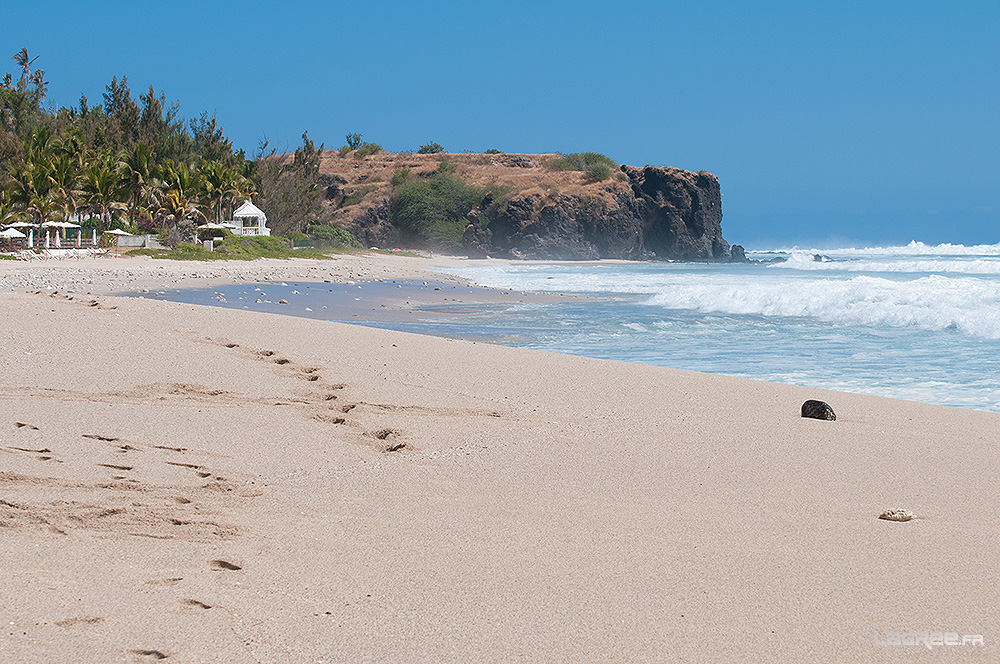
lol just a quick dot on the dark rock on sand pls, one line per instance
(818, 410)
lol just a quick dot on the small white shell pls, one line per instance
(896, 515)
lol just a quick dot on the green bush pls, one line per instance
(579, 161)
(447, 167)
(367, 149)
(432, 212)
(493, 151)
(400, 176)
(359, 195)
(430, 148)
(596, 172)
(234, 248)
(344, 150)
(337, 237)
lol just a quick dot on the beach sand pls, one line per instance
(212, 485)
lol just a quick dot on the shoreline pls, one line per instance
(218, 485)
(108, 275)
(428, 301)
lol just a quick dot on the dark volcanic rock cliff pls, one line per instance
(575, 225)
(534, 211)
(681, 212)
(658, 212)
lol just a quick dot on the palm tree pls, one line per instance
(101, 188)
(175, 208)
(67, 189)
(9, 213)
(221, 183)
(138, 180)
(32, 185)
(38, 80)
(24, 62)
(179, 176)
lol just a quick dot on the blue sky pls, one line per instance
(847, 123)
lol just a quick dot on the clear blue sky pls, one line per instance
(827, 123)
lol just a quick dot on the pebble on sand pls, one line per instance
(896, 515)
(818, 410)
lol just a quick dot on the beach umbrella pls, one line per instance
(117, 232)
(212, 226)
(12, 232)
(20, 224)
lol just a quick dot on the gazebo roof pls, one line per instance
(248, 209)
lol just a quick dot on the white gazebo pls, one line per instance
(248, 219)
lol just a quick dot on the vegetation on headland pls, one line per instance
(433, 211)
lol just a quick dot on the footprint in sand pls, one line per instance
(195, 603)
(171, 449)
(116, 466)
(44, 450)
(388, 435)
(122, 446)
(165, 582)
(83, 620)
(147, 655)
(97, 436)
(224, 564)
(25, 425)
(192, 466)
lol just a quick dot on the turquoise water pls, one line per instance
(914, 322)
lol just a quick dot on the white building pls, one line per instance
(248, 220)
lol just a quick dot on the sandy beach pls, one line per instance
(199, 484)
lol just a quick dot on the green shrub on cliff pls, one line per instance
(432, 212)
(596, 172)
(579, 161)
(400, 176)
(367, 149)
(430, 148)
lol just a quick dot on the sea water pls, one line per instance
(914, 322)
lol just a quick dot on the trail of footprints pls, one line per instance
(322, 402)
(70, 298)
(80, 514)
(323, 396)
(134, 507)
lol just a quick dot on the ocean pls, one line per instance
(914, 322)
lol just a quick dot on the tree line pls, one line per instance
(137, 164)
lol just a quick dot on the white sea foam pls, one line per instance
(912, 263)
(935, 302)
(924, 293)
(914, 248)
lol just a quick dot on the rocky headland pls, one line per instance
(530, 210)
